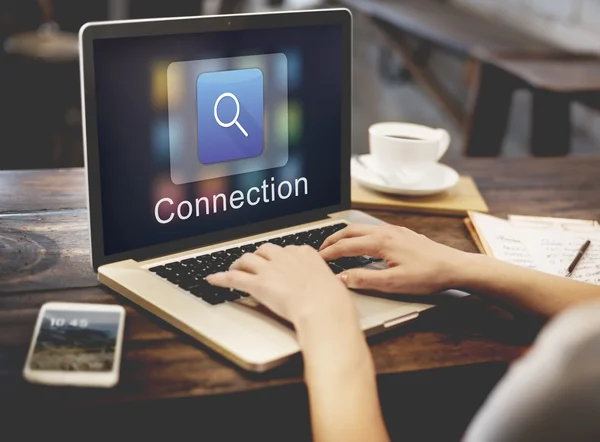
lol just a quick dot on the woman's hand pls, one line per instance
(293, 282)
(297, 284)
(417, 265)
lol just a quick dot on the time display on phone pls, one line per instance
(72, 340)
(61, 322)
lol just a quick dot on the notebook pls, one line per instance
(545, 244)
(457, 201)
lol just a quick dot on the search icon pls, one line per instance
(237, 115)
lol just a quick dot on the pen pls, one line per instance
(580, 254)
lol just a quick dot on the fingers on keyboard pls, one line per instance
(189, 273)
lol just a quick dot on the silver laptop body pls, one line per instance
(130, 262)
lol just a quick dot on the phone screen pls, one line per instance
(72, 340)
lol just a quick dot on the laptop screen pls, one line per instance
(198, 133)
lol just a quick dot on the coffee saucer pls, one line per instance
(438, 179)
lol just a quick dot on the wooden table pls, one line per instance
(555, 82)
(411, 28)
(500, 59)
(440, 368)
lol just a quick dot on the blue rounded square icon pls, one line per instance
(230, 115)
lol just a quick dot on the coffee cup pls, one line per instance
(405, 152)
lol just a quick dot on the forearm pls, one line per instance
(522, 288)
(341, 383)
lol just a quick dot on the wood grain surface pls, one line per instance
(559, 75)
(160, 362)
(42, 190)
(457, 201)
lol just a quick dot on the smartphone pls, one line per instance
(76, 344)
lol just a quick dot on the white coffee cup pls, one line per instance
(405, 152)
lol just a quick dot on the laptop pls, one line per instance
(206, 137)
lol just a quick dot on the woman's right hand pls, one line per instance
(417, 265)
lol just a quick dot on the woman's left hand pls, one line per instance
(294, 282)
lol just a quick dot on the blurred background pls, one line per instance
(505, 77)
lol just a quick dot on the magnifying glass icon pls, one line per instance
(237, 114)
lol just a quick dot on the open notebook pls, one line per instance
(545, 244)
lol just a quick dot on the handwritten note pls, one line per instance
(588, 269)
(549, 250)
(513, 249)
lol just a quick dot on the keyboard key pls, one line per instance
(302, 237)
(188, 282)
(229, 295)
(330, 230)
(213, 299)
(335, 268)
(173, 278)
(363, 260)
(205, 272)
(203, 260)
(201, 289)
(327, 231)
(216, 258)
(349, 263)
(220, 293)
(176, 267)
(234, 253)
(160, 271)
(318, 243)
(196, 265)
(208, 293)
(298, 241)
(315, 243)
(289, 240)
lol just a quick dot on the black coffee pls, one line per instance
(405, 137)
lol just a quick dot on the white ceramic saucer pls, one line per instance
(438, 179)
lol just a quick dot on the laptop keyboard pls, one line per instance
(189, 273)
